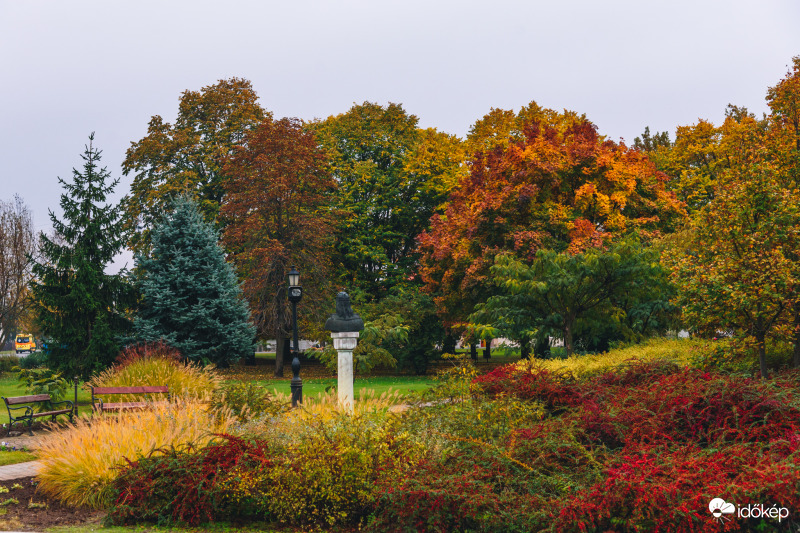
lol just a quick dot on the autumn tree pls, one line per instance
(79, 306)
(734, 272)
(784, 136)
(190, 295)
(17, 246)
(392, 177)
(276, 216)
(737, 266)
(187, 157)
(657, 146)
(554, 184)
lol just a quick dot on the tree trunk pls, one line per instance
(487, 352)
(762, 354)
(525, 349)
(796, 353)
(568, 339)
(541, 347)
(250, 360)
(473, 351)
(279, 353)
(449, 344)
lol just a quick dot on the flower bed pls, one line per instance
(641, 446)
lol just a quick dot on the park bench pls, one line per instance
(27, 404)
(100, 406)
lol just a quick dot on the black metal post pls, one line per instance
(297, 383)
(76, 396)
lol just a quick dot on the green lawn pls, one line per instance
(380, 384)
(12, 458)
(9, 386)
(311, 387)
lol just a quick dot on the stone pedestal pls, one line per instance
(345, 342)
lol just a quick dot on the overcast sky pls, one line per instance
(68, 68)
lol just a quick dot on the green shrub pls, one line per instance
(740, 355)
(327, 477)
(43, 381)
(246, 400)
(34, 360)
(9, 361)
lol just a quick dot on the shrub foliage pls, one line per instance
(642, 446)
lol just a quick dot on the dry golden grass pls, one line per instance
(680, 351)
(369, 401)
(78, 463)
(183, 380)
(318, 409)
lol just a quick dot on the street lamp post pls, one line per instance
(295, 294)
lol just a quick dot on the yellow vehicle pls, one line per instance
(24, 343)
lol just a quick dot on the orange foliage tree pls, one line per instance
(546, 180)
(276, 215)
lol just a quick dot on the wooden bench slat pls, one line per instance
(131, 390)
(51, 413)
(14, 400)
(119, 406)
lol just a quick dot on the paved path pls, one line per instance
(9, 472)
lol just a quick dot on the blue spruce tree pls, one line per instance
(191, 297)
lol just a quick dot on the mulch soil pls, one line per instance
(35, 511)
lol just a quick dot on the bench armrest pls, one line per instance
(28, 410)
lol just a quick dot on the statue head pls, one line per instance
(343, 309)
(344, 319)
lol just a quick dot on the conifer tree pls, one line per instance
(191, 297)
(78, 306)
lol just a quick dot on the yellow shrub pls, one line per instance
(184, 380)
(78, 463)
(322, 408)
(326, 461)
(680, 351)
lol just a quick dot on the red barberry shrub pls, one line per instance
(182, 485)
(659, 489)
(142, 350)
(554, 389)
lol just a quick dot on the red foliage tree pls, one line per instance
(276, 212)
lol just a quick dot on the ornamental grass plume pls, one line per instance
(79, 463)
(321, 408)
(681, 351)
(323, 404)
(158, 364)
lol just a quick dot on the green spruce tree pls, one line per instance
(191, 297)
(80, 308)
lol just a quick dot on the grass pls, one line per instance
(12, 458)
(9, 386)
(79, 462)
(404, 385)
